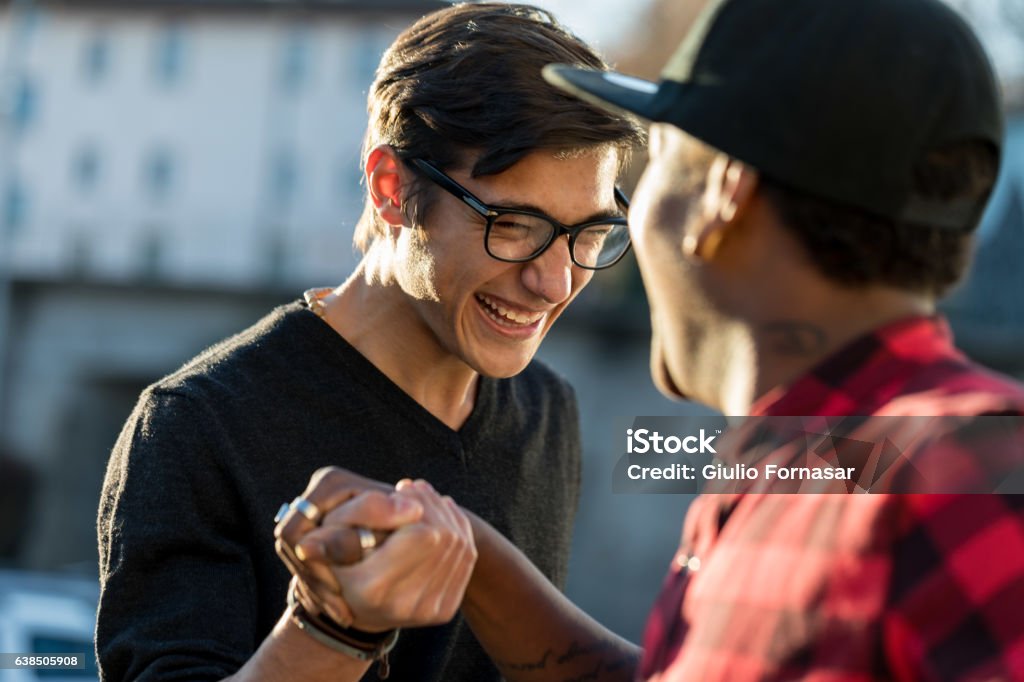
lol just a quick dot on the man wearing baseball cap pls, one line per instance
(817, 169)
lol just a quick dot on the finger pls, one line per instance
(431, 500)
(455, 570)
(307, 597)
(318, 576)
(436, 587)
(448, 514)
(338, 546)
(454, 590)
(317, 573)
(389, 581)
(377, 510)
(317, 603)
(336, 541)
(426, 582)
(402, 582)
(448, 583)
(328, 488)
(437, 581)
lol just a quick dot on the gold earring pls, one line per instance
(711, 243)
(695, 249)
(690, 244)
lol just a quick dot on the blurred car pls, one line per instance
(43, 613)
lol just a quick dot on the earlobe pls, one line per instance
(384, 181)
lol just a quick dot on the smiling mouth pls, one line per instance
(505, 316)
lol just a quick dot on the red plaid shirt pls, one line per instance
(852, 587)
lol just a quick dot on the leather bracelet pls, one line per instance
(339, 641)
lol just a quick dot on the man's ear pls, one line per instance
(728, 194)
(385, 180)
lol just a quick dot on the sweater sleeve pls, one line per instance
(178, 595)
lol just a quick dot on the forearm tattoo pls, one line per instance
(601, 660)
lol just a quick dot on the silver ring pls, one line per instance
(308, 509)
(279, 516)
(367, 540)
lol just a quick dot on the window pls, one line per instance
(81, 249)
(150, 252)
(85, 167)
(96, 57)
(170, 55)
(284, 177)
(158, 173)
(15, 208)
(276, 255)
(295, 60)
(25, 104)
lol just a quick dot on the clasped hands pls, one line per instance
(415, 576)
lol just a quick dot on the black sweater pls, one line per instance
(190, 581)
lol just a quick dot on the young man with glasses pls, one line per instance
(817, 171)
(491, 200)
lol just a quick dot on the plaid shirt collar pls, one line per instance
(927, 619)
(865, 373)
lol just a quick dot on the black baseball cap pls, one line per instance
(836, 98)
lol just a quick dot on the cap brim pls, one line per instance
(606, 89)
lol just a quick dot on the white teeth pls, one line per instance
(504, 316)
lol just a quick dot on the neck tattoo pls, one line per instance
(794, 338)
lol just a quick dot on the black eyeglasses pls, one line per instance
(515, 236)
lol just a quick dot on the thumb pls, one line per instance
(375, 509)
(336, 541)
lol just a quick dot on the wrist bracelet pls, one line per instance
(355, 636)
(339, 641)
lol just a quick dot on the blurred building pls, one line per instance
(211, 143)
(171, 169)
(168, 170)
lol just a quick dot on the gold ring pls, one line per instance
(367, 540)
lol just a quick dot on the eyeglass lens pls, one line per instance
(520, 237)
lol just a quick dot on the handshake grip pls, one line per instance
(420, 579)
(341, 546)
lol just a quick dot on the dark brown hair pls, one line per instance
(466, 79)
(856, 248)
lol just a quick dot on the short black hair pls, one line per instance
(467, 80)
(856, 248)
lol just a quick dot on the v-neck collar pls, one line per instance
(335, 350)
